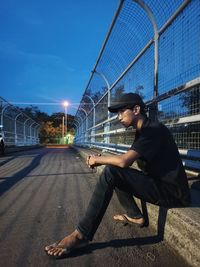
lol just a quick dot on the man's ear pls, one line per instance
(136, 110)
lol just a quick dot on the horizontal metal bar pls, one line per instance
(126, 70)
(175, 91)
(123, 149)
(188, 119)
(192, 173)
(162, 97)
(170, 20)
(183, 152)
(121, 130)
(104, 122)
(174, 16)
(191, 164)
(110, 148)
(190, 153)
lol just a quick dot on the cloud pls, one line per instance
(12, 52)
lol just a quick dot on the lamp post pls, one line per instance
(65, 104)
(63, 127)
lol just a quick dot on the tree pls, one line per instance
(138, 90)
(48, 133)
(190, 100)
(34, 113)
(56, 118)
(51, 125)
(117, 93)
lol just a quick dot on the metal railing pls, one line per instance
(17, 128)
(152, 48)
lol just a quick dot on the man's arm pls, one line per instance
(123, 160)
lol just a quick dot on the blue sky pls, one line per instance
(48, 49)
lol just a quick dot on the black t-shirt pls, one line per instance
(160, 157)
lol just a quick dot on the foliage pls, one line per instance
(117, 93)
(138, 90)
(34, 113)
(190, 100)
(51, 130)
(48, 133)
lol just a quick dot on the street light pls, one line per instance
(65, 104)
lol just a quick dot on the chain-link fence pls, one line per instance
(16, 127)
(152, 48)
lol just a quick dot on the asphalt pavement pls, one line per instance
(43, 193)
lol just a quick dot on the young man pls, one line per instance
(162, 180)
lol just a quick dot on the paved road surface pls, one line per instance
(43, 194)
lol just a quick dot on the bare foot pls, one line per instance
(72, 241)
(125, 218)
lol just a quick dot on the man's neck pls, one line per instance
(139, 122)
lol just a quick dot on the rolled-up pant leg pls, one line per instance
(125, 179)
(128, 203)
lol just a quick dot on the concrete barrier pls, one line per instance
(179, 227)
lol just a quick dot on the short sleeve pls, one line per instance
(148, 143)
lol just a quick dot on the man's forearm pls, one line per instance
(123, 160)
(107, 160)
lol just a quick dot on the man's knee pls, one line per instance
(110, 175)
(111, 170)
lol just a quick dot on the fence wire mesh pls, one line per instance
(152, 48)
(16, 127)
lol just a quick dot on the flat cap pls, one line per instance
(128, 100)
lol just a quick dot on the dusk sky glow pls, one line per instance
(49, 48)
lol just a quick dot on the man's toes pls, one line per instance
(51, 251)
(58, 252)
(47, 248)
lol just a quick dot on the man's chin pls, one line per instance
(126, 126)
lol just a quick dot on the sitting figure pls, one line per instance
(162, 180)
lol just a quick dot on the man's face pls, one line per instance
(126, 117)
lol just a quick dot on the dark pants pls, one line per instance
(127, 183)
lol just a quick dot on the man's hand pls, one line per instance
(92, 161)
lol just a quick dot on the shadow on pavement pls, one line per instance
(59, 174)
(9, 182)
(130, 242)
(6, 160)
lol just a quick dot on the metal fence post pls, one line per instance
(107, 125)
(86, 124)
(7, 105)
(94, 121)
(31, 131)
(16, 137)
(25, 130)
(153, 109)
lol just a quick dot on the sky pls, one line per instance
(48, 49)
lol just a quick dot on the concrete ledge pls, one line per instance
(180, 227)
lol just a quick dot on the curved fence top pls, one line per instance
(127, 58)
(13, 113)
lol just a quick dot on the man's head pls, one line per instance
(130, 107)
